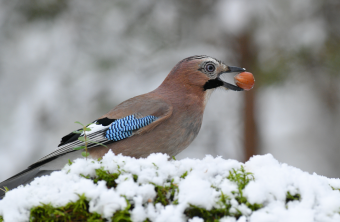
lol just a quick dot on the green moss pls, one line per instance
(73, 211)
(106, 176)
(184, 175)
(207, 215)
(123, 215)
(290, 197)
(214, 214)
(76, 211)
(135, 178)
(338, 189)
(155, 166)
(110, 178)
(241, 178)
(166, 194)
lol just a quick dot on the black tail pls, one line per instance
(22, 178)
(37, 170)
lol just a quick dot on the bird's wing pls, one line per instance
(138, 115)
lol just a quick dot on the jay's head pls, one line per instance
(201, 73)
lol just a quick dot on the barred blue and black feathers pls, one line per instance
(122, 128)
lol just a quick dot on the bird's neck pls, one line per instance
(192, 98)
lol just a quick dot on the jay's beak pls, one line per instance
(235, 69)
(231, 69)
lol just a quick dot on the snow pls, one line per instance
(272, 181)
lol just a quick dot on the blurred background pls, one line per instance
(63, 61)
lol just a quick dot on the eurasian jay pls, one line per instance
(165, 120)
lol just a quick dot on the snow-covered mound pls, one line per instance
(119, 188)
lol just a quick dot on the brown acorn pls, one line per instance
(245, 80)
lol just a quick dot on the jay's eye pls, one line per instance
(210, 67)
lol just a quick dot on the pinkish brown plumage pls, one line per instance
(174, 113)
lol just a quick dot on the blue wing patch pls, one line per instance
(122, 128)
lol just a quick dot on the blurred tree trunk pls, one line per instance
(247, 53)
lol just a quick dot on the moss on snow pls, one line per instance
(166, 195)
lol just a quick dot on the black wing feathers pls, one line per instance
(105, 121)
(71, 137)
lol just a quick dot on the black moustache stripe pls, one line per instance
(212, 84)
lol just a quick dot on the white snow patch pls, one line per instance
(205, 180)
